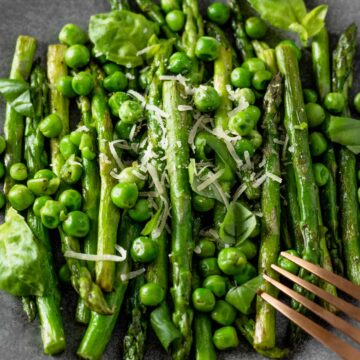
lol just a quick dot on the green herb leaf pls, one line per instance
(344, 131)
(10, 89)
(241, 297)
(24, 270)
(238, 224)
(152, 223)
(23, 105)
(119, 35)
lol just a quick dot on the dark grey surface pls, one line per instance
(43, 19)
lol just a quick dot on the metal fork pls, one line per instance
(342, 348)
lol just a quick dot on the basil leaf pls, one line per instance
(238, 224)
(10, 89)
(151, 224)
(119, 35)
(24, 270)
(23, 105)
(314, 21)
(211, 191)
(241, 297)
(298, 8)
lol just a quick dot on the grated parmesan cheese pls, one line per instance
(185, 108)
(240, 190)
(90, 257)
(260, 181)
(132, 274)
(210, 179)
(114, 153)
(145, 50)
(274, 177)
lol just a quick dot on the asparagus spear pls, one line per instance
(101, 327)
(349, 210)
(242, 41)
(204, 347)
(135, 337)
(81, 277)
(14, 122)
(265, 328)
(52, 331)
(321, 62)
(109, 215)
(177, 153)
(91, 195)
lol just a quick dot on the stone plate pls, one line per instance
(43, 19)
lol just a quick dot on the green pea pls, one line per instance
(64, 86)
(202, 203)
(261, 79)
(141, 211)
(230, 260)
(180, 63)
(77, 56)
(72, 170)
(51, 126)
(65, 274)
(71, 199)
(175, 20)
(170, 5)
(208, 266)
(2, 170)
(82, 83)
(241, 78)
(45, 182)
(18, 172)
(287, 264)
(2, 200)
(144, 249)
(223, 313)
(115, 102)
(111, 68)
(151, 294)
(217, 284)
(117, 81)
(39, 204)
(76, 224)
(123, 130)
(225, 338)
(72, 34)
(254, 112)
(321, 173)
(248, 272)
(255, 27)
(318, 143)
(242, 123)
(244, 95)
(356, 104)
(218, 12)
(249, 248)
(254, 65)
(67, 148)
(203, 300)
(256, 139)
(52, 213)
(295, 48)
(244, 145)
(128, 176)
(124, 195)
(315, 114)
(205, 248)
(20, 197)
(206, 99)
(310, 96)
(334, 102)
(2, 144)
(131, 112)
(207, 48)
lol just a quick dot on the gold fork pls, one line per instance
(342, 348)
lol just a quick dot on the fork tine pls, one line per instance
(341, 283)
(340, 304)
(332, 319)
(328, 339)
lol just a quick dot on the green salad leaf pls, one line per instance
(238, 224)
(120, 35)
(23, 104)
(24, 270)
(292, 15)
(241, 297)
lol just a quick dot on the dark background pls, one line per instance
(43, 19)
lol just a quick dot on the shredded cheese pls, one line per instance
(90, 257)
(274, 177)
(117, 158)
(240, 190)
(157, 110)
(145, 50)
(260, 181)
(132, 275)
(210, 179)
(185, 108)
